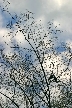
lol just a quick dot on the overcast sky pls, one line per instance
(47, 10)
(58, 11)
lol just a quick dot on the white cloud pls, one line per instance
(59, 10)
(60, 3)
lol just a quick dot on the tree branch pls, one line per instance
(10, 100)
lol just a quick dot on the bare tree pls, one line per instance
(32, 72)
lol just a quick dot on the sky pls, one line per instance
(46, 10)
(57, 11)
